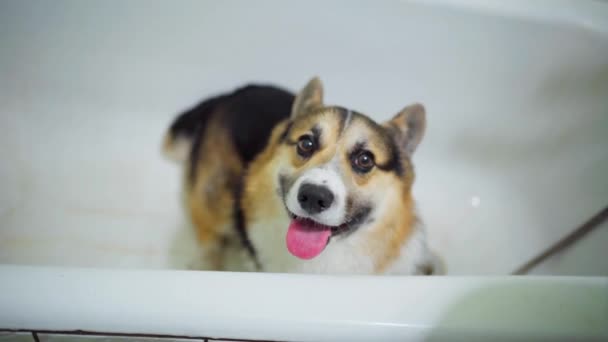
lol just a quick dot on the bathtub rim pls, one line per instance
(113, 301)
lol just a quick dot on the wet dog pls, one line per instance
(283, 183)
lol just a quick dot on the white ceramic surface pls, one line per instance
(517, 97)
(303, 307)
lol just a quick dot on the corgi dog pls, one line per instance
(281, 183)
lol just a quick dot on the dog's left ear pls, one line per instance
(309, 98)
(408, 127)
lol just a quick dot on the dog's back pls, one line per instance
(216, 140)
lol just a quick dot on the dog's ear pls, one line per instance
(309, 98)
(408, 127)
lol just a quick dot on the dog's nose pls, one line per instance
(314, 198)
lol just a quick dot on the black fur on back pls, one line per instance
(248, 113)
(251, 114)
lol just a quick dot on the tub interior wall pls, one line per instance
(514, 158)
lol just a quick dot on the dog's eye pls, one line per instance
(363, 162)
(306, 146)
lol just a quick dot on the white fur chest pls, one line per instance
(346, 255)
(343, 256)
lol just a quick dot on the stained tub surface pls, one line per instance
(515, 156)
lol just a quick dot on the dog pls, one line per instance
(281, 183)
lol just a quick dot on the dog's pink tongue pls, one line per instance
(305, 240)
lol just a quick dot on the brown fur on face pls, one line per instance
(340, 133)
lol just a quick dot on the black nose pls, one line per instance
(314, 198)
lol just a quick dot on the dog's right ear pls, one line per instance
(309, 98)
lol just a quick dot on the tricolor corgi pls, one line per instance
(281, 183)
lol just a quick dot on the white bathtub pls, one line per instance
(515, 158)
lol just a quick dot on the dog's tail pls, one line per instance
(179, 138)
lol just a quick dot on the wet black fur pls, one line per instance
(249, 114)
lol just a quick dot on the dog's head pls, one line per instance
(338, 171)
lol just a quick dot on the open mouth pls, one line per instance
(307, 238)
